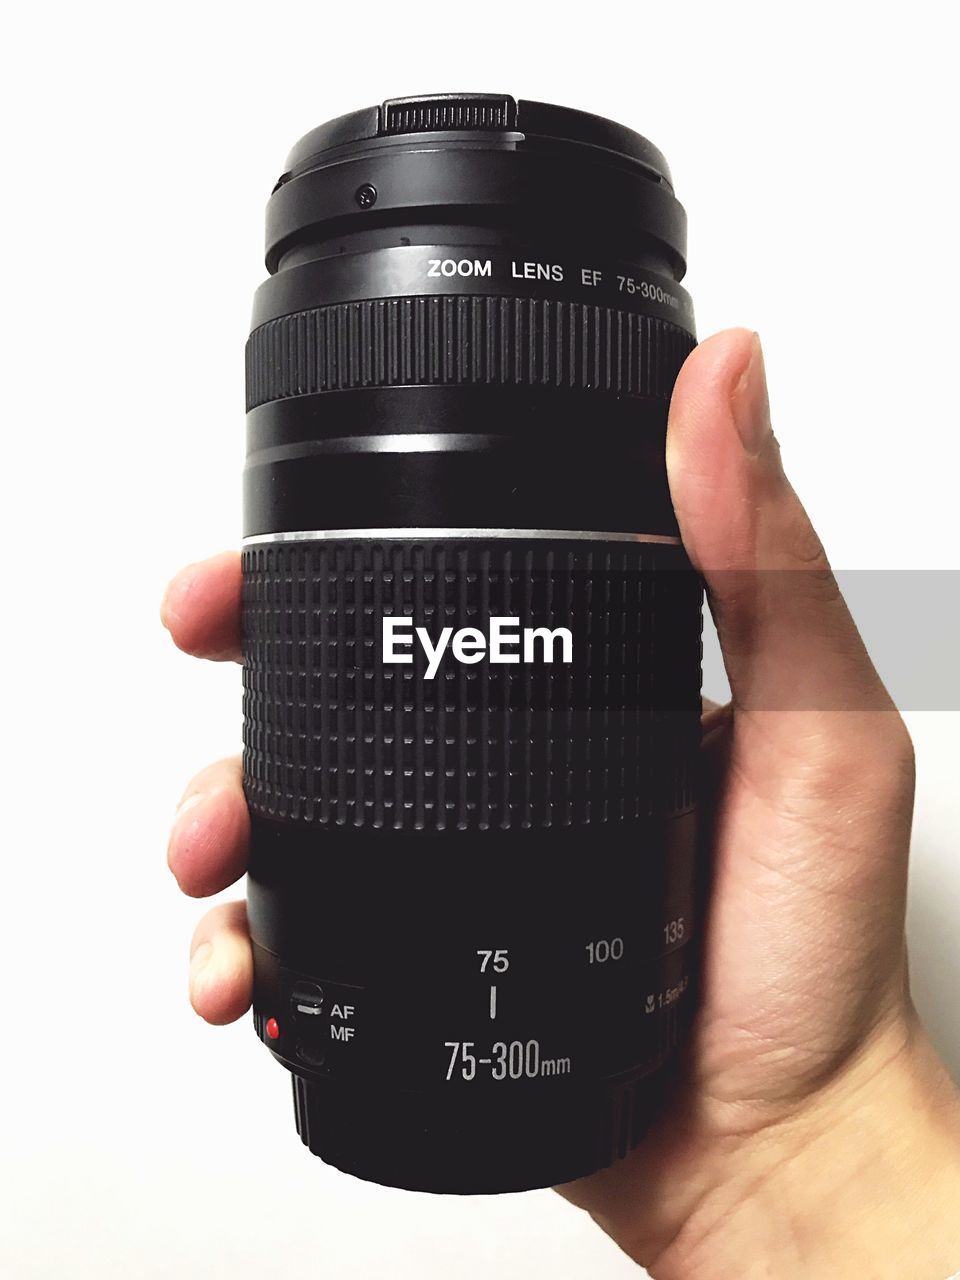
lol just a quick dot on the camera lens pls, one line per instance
(471, 643)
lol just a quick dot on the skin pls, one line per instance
(813, 1131)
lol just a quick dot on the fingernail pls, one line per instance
(178, 828)
(165, 605)
(174, 595)
(199, 959)
(190, 802)
(751, 406)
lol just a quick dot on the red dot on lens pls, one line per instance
(273, 1028)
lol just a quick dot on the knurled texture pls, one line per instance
(429, 115)
(452, 341)
(336, 737)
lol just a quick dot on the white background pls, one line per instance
(815, 150)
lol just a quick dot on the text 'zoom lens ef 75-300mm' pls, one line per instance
(471, 643)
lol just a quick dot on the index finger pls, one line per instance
(201, 608)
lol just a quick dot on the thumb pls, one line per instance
(787, 638)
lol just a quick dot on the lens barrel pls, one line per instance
(471, 643)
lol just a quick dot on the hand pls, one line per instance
(813, 1132)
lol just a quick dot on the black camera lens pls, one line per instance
(471, 643)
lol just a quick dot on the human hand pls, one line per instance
(814, 1132)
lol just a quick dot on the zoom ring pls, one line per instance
(334, 736)
(456, 340)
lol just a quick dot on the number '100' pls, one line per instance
(603, 950)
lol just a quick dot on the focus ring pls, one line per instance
(336, 737)
(456, 340)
